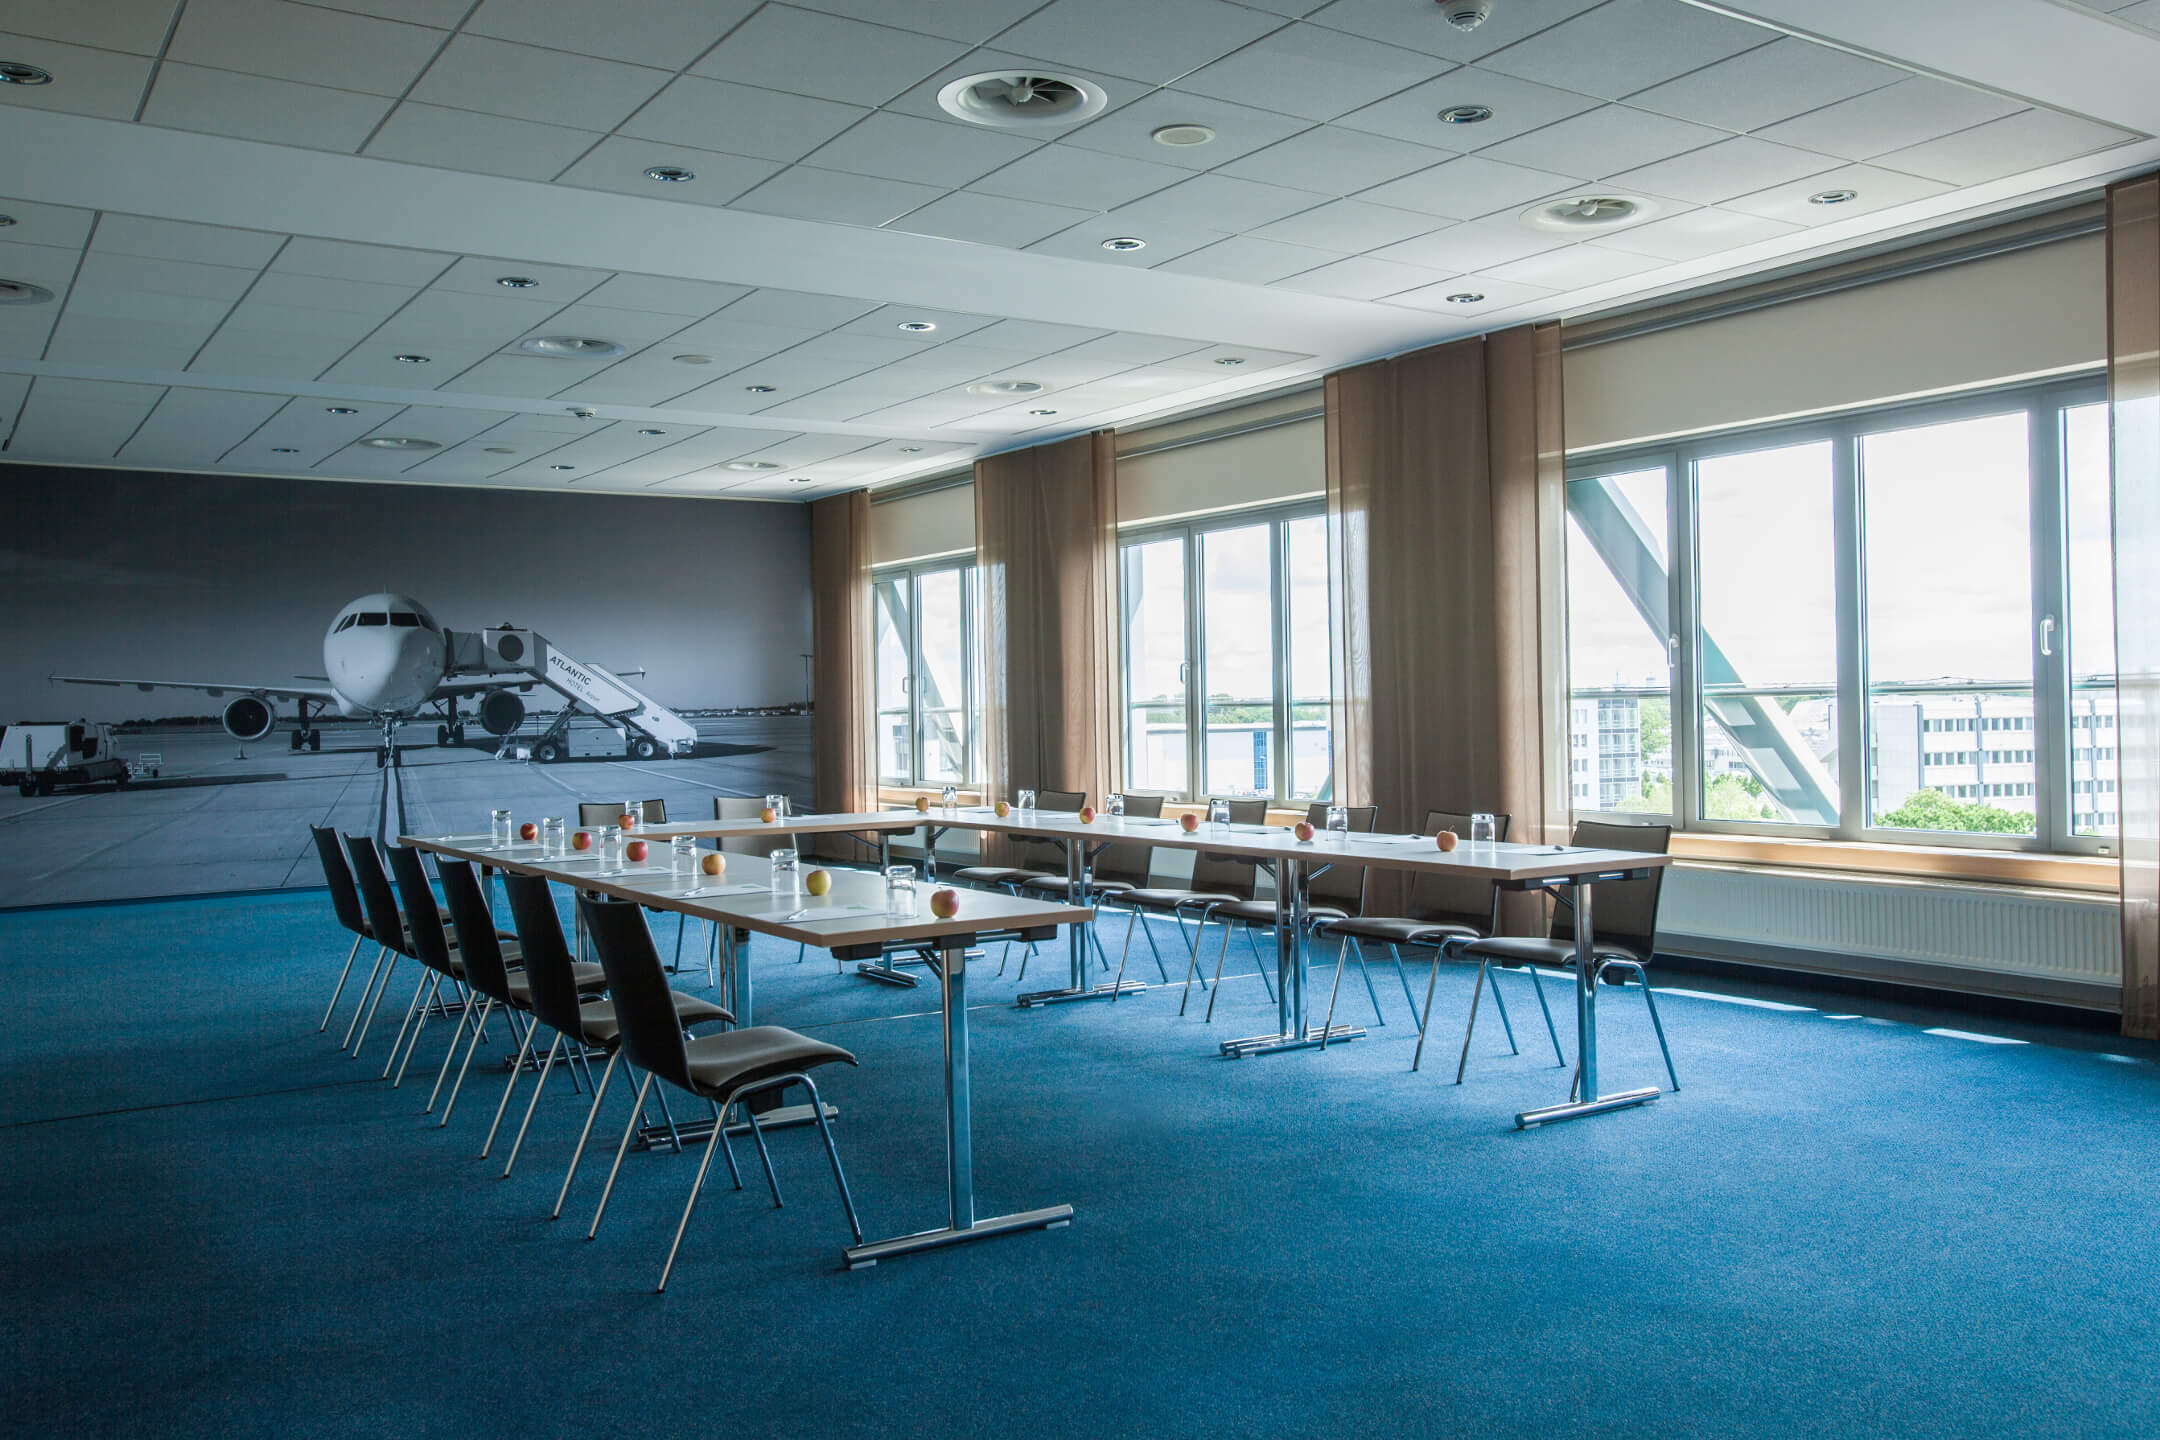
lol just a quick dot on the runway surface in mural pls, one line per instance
(223, 816)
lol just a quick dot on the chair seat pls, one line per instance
(995, 874)
(1536, 950)
(591, 980)
(1167, 899)
(1061, 887)
(724, 1063)
(596, 1018)
(1396, 930)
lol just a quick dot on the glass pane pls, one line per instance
(2088, 521)
(1948, 569)
(1620, 700)
(1766, 564)
(895, 745)
(1312, 676)
(941, 635)
(1238, 600)
(1154, 579)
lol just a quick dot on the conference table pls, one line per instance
(1573, 869)
(852, 921)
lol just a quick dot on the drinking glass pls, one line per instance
(1027, 799)
(611, 845)
(500, 827)
(1483, 829)
(787, 874)
(1338, 823)
(949, 797)
(900, 891)
(1218, 814)
(1115, 804)
(633, 814)
(777, 804)
(552, 839)
(683, 859)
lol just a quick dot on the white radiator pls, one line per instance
(2011, 931)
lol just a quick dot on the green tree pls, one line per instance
(1933, 810)
(1656, 727)
(1738, 797)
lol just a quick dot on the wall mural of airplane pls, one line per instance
(385, 658)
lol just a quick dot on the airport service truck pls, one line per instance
(39, 758)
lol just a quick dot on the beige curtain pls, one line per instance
(2133, 256)
(1046, 544)
(1446, 508)
(843, 747)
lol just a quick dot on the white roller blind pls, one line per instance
(923, 527)
(1190, 474)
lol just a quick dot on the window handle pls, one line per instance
(1672, 650)
(2047, 635)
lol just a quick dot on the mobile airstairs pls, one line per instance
(648, 728)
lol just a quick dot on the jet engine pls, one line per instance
(249, 718)
(501, 712)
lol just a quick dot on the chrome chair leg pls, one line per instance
(1499, 1000)
(1365, 973)
(1551, 1030)
(465, 1017)
(547, 1068)
(1117, 986)
(832, 1153)
(578, 1155)
(1408, 999)
(1192, 963)
(1425, 1017)
(1209, 1018)
(470, 1046)
(1649, 999)
(1476, 996)
(331, 1009)
(365, 991)
(517, 1073)
(1342, 958)
(681, 1225)
(1147, 933)
(757, 1133)
(720, 1133)
(416, 1016)
(1260, 963)
(637, 1110)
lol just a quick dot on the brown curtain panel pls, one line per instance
(843, 751)
(1446, 508)
(1046, 545)
(2133, 262)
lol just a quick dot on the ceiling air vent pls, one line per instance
(570, 347)
(1589, 212)
(22, 292)
(1022, 100)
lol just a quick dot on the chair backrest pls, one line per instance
(344, 897)
(652, 1037)
(1455, 899)
(422, 915)
(478, 945)
(1130, 861)
(375, 895)
(546, 954)
(1342, 886)
(1623, 913)
(653, 812)
(1231, 874)
(1048, 854)
(746, 807)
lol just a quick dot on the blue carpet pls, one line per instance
(1840, 1227)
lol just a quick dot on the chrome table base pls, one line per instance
(1104, 991)
(693, 1132)
(1312, 1039)
(1575, 1109)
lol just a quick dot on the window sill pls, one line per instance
(903, 796)
(1927, 862)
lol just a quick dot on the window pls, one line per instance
(1228, 671)
(929, 721)
(1890, 625)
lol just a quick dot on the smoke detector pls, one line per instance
(993, 388)
(1022, 100)
(400, 442)
(1466, 14)
(570, 347)
(1589, 212)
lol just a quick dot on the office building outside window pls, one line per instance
(929, 683)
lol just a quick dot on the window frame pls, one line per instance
(2051, 736)
(1190, 532)
(911, 576)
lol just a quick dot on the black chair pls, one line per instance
(1337, 893)
(1623, 925)
(434, 947)
(720, 1069)
(557, 991)
(1216, 880)
(1040, 859)
(345, 900)
(387, 925)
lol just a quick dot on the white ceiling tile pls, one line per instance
(254, 107)
(1135, 349)
(808, 53)
(51, 266)
(183, 240)
(236, 350)
(1739, 166)
(88, 82)
(665, 33)
(374, 363)
(80, 419)
(195, 427)
(442, 319)
(526, 82)
(1876, 190)
(135, 26)
(1572, 267)
(663, 295)
(38, 224)
(131, 341)
(1603, 142)
(1518, 107)
(198, 314)
(1493, 295)
(1473, 246)
(640, 380)
(740, 119)
(2025, 141)
(619, 163)
(365, 299)
(468, 140)
(1209, 359)
(1349, 226)
(921, 99)
(970, 20)
(2145, 13)
(1130, 130)
(1889, 119)
(1468, 187)
(901, 147)
(794, 308)
(304, 43)
(990, 219)
(345, 260)
(1413, 24)
(631, 329)
(559, 284)
(1069, 175)
(442, 14)
(526, 376)
(1628, 45)
(1760, 87)
(1164, 242)
(164, 277)
(1696, 233)
(1218, 202)
(1154, 40)
(807, 193)
(1314, 73)
(1335, 161)
(1360, 278)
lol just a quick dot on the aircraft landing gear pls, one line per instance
(448, 735)
(308, 739)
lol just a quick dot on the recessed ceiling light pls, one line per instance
(1466, 115)
(517, 282)
(1042, 412)
(1231, 360)
(1006, 387)
(22, 292)
(1183, 137)
(1590, 212)
(753, 465)
(283, 450)
(918, 327)
(339, 410)
(911, 449)
(415, 359)
(1022, 99)
(1124, 242)
(400, 442)
(1832, 197)
(693, 359)
(760, 389)
(798, 480)
(6, 220)
(670, 174)
(570, 347)
(652, 432)
(1466, 297)
(502, 450)
(14, 72)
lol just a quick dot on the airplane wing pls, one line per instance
(282, 692)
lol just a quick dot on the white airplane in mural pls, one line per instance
(385, 658)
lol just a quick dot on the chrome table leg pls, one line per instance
(1077, 986)
(1293, 1030)
(1592, 1103)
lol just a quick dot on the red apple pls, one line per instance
(1087, 814)
(1303, 831)
(768, 815)
(1446, 839)
(712, 862)
(629, 819)
(582, 840)
(945, 903)
(1189, 822)
(636, 850)
(922, 804)
(528, 831)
